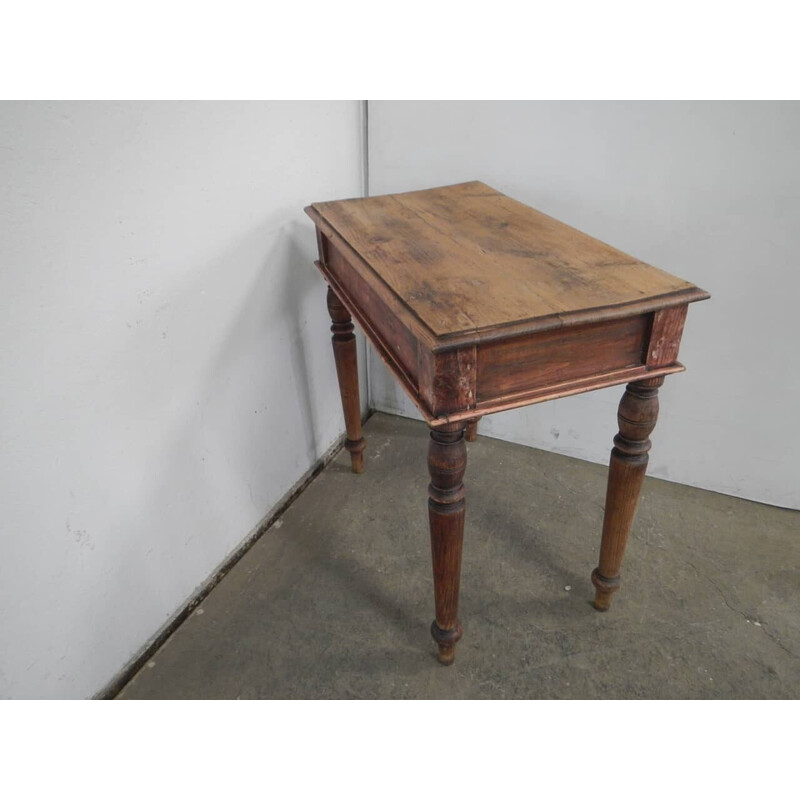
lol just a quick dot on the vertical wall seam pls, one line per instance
(365, 193)
(365, 148)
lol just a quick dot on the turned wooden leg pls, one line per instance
(344, 353)
(638, 411)
(447, 462)
(472, 430)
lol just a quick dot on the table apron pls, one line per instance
(484, 377)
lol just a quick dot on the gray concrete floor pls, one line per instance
(335, 600)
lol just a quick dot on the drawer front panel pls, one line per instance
(538, 360)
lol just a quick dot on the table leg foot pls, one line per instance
(447, 462)
(604, 588)
(472, 431)
(446, 642)
(638, 412)
(356, 450)
(346, 358)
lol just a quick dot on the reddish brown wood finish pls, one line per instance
(511, 366)
(447, 462)
(479, 304)
(637, 415)
(396, 338)
(447, 379)
(345, 355)
(665, 336)
(448, 383)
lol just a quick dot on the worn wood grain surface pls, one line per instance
(467, 258)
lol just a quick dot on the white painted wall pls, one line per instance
(708, 191)
(165, 359)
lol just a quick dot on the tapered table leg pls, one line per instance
(637, 415)
(447, 462)
(472, 431)
(345, 355)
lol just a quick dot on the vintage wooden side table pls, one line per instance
(477, 304)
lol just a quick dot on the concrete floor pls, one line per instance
(335, 600)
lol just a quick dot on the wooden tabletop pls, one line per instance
(466, 260)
